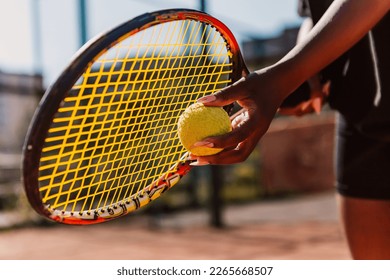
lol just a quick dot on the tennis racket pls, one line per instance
(103, 142)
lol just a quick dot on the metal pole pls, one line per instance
(36, 40)
(216, 201)
(83, 22)
(202, 5)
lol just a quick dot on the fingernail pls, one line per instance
(317, 106)
(207, 98)
(192, 157)
(203, 144)
(305, 105)
(199, 163)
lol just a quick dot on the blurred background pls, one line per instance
(291, 167)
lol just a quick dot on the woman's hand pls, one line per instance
(259, 97)
(318, 95)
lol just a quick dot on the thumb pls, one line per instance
(226, 96)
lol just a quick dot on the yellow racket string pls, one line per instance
(115, 131)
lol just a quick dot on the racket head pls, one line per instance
(83, 160)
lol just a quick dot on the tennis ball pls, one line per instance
(199, 122)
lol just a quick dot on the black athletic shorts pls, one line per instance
(357, 76)
(362, 164)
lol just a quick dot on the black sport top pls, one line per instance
(360, 78)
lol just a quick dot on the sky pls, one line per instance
(41, 36)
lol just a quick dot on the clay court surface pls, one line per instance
(302, 228)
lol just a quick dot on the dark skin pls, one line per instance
(261, 93)
(366, 222)
(318, 91)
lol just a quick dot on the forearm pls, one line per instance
(261, 93)
(343, 25)
(306, 27)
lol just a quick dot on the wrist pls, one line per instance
(285, 76)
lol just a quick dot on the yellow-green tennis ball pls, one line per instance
(199, 122)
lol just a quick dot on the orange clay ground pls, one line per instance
(300, 228)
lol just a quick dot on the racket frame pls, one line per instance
(47, 108)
